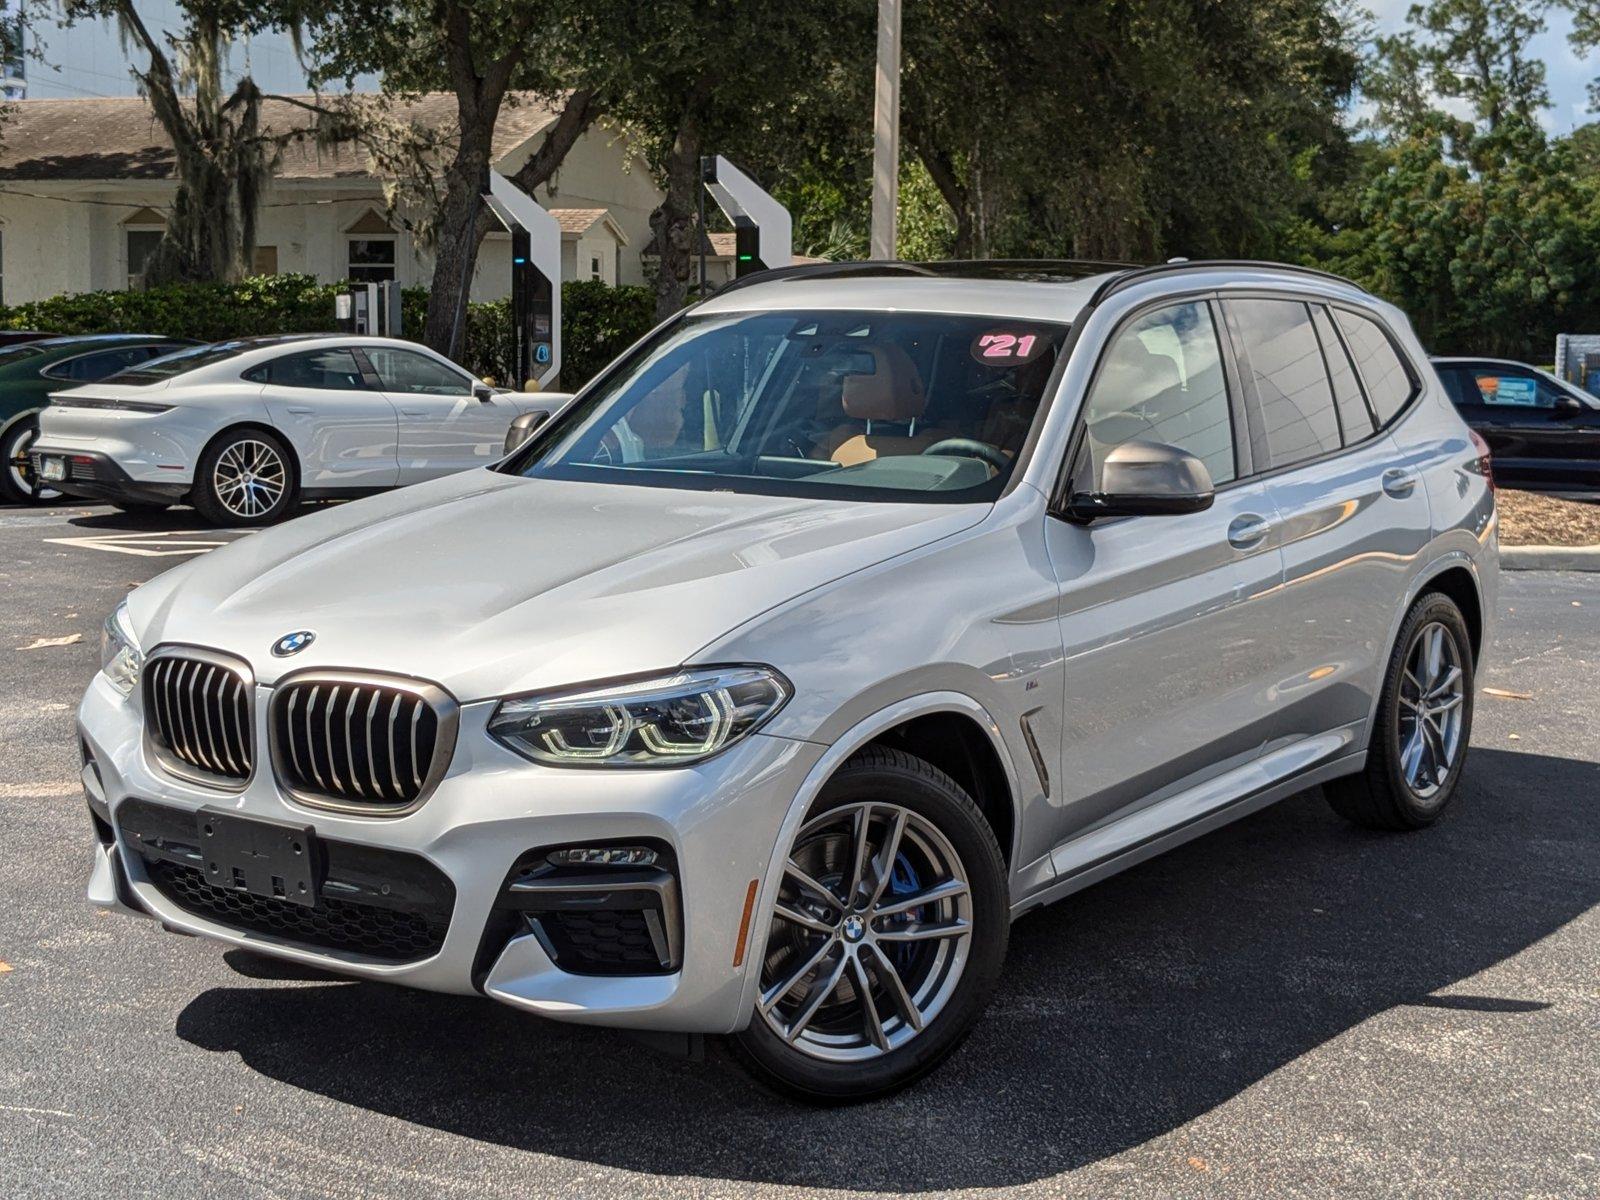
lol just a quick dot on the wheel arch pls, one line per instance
(277, 435)
(916, 718)
(8, 423)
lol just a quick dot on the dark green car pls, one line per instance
(31, 371)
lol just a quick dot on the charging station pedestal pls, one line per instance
(762, 231)
(535, 280)
(368, 309)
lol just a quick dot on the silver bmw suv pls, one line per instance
(849, 616)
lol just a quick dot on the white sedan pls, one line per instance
(245, 429)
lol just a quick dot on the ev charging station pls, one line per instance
(762, 232)
(535, 280)
(368, 309)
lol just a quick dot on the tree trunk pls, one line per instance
(674, 223)
(461, 226)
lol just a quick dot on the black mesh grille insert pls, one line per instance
(359, 743)
(604, 941)
(198, 711)
(384, 933)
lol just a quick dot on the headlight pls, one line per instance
(673, 719)
(120, 659)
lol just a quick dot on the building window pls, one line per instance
(594, 268)
(371, 259)
(142, 244)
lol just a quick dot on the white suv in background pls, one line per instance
(850, 615)
(245, 429)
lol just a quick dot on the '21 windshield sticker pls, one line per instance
(1002, 347)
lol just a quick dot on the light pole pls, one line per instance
(886, 132)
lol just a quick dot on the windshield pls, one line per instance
(168, 365)
(862, 405)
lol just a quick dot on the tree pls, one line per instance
(484, 54)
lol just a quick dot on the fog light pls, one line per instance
(603, 856)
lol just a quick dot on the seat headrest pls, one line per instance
(892, 392)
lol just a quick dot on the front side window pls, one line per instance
(1511, 389)
(324, 370)
(1161, 381)
(416, 374)
(1389, 384)
(1293, 395)
(866, 405)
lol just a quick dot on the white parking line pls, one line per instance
(158, 544)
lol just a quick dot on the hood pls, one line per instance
(492, 584)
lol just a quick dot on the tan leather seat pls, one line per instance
(891, 394)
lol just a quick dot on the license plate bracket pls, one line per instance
(53, 470)
(275, 860)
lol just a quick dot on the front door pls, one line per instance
(1170, 624)
(444, 426)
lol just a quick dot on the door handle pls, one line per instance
(301, 412)
(413, 412)
(1247, 531)
(1399, 483)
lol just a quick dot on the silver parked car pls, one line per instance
(850, 615)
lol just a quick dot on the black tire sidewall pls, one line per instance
(1434, 608)
(935, 797)
(22, 428)
(210, 506)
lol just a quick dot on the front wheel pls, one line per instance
(245, 478)
(1424, 721)
(17, 482)
(887, 937)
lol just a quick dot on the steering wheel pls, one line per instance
(971, 448)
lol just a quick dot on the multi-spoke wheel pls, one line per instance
(886, 937)
(245, 478)
(1419, 741)
(17, 482)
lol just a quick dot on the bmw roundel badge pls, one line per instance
(292, 643)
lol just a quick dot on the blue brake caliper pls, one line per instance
(903, 881)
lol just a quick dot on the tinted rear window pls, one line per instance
(1388, 382)
(1355, 419)
(1292, 389)
(170, 365)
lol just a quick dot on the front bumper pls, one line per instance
(719, 822)
(92, 475)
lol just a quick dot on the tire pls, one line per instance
(1401, 786)
(246, 478)
(17, 485)
(840, 1052)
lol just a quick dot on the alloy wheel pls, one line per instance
(20, 466)
(250, 478)
(870, 934)
(1432, 697)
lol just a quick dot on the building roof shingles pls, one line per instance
(119, 138)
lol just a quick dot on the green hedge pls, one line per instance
(598, 322)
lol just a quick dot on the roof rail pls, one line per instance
(1137, 275)
(1031, 269)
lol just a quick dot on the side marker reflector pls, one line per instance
(744, 924)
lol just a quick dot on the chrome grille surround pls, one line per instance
(199, 715)
(360, 742)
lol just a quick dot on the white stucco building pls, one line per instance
(85, 185)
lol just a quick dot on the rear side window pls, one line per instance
(1294, 398)
(326, 370)
(1161, 381)
(1389, 384)
(1355, 418)
(1498, 388)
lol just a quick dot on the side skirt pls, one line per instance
(1196, 812)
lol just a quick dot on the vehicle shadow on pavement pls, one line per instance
(1124, 1012)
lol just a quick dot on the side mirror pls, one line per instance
(1142, 479)
(1570, 405)
(483, 392)
(524, 427)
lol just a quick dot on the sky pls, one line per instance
(1566, 74)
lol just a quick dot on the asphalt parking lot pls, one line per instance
(1287, 1007)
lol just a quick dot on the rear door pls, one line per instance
(343, 430)
(1169, 623)
(1536, 434)
(444, 427)
(1354, 514)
